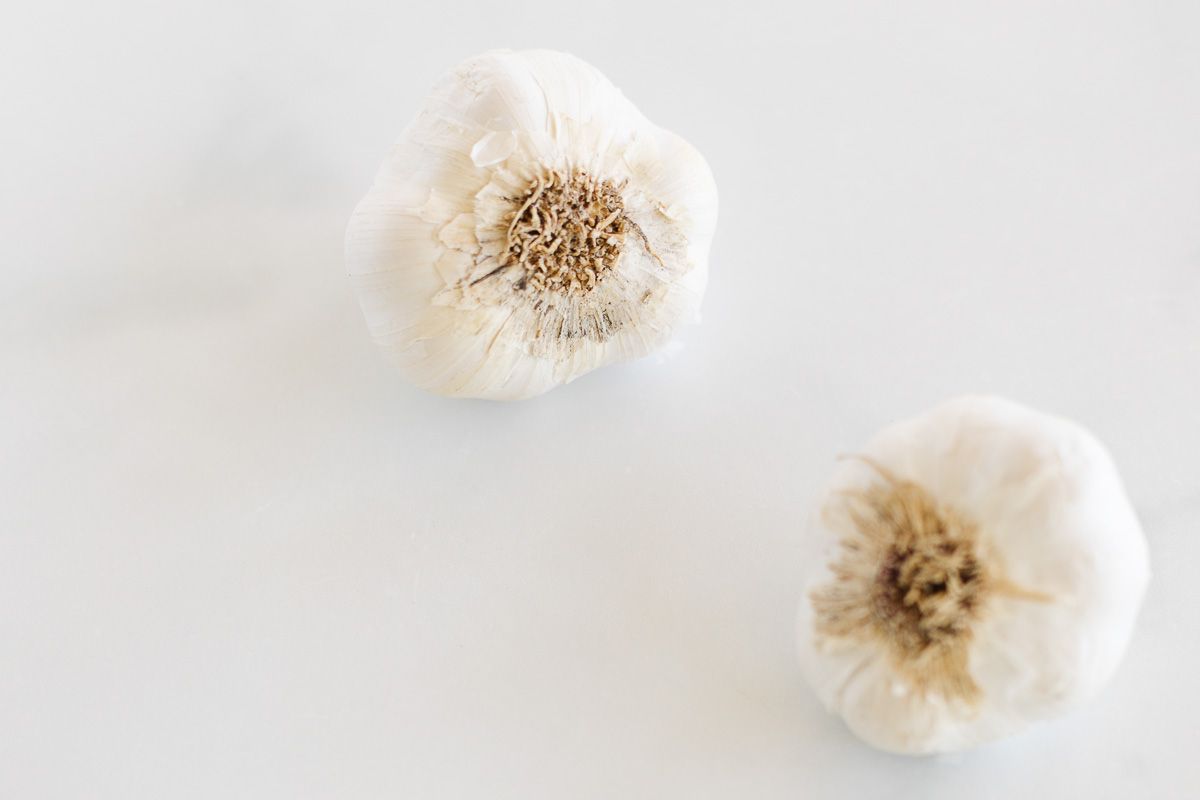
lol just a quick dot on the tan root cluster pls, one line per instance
(910, 577)
(567, 233)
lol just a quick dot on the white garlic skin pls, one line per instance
(422, 243)
(1052, 514)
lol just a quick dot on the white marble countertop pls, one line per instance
(240, 558)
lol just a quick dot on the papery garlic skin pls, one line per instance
(435, 248)
(1060, 552)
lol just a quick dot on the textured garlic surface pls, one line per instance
(971, 570)
(529, 226)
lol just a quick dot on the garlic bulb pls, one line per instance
(529, 226)
(975, 568)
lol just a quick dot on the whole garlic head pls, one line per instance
(974, 569)
(529, 226)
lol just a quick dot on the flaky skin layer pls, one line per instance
(1057, 570)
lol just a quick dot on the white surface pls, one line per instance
(239, 558)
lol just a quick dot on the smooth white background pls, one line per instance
(240, 558)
